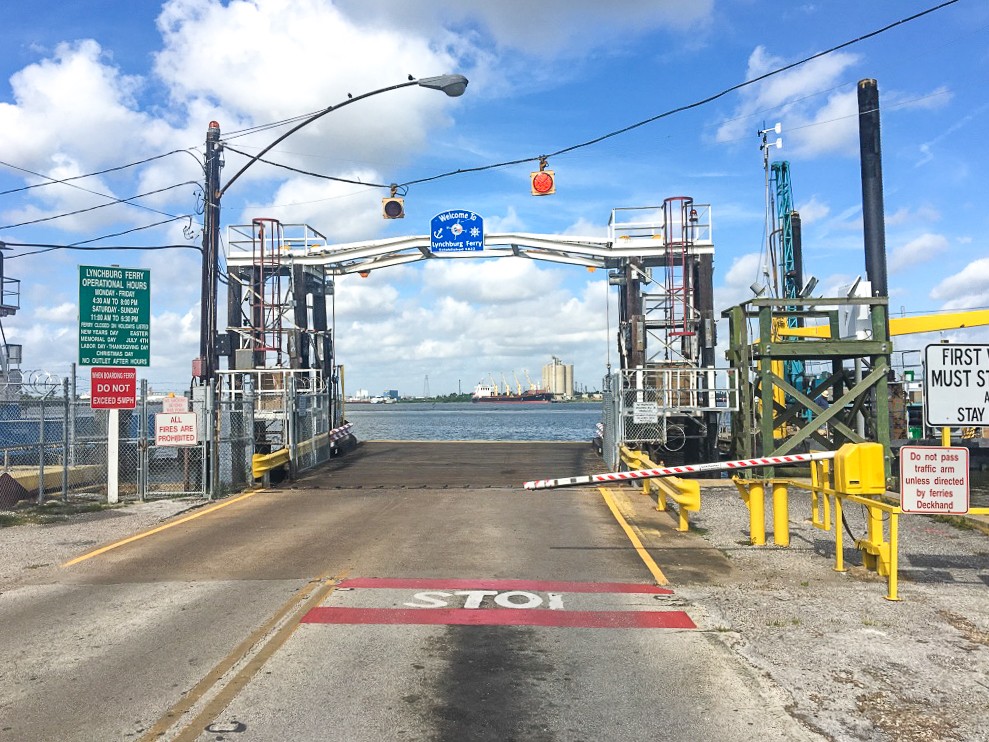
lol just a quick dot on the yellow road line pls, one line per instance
(170, 524)
(300, 604)
(650, 563)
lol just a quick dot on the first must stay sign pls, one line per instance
(114, 316)
(956, 385)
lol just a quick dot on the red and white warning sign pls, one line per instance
(178, 429)
(934, 480)
(113, 388)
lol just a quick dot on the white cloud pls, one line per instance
(809, 127)
(549, 27)
(508, 223)
(502, 281)
(744, 270)
(586, 228)
(813, 210)
(922, 214)
(921, 249)
(966, 289)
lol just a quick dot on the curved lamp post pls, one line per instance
(452, 85)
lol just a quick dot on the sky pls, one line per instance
(92, 86)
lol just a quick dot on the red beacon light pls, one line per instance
(543, 181)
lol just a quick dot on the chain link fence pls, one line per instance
(667, 407)
(53, 445)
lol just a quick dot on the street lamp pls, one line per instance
(205, 369)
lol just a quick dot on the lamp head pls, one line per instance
(452, 85)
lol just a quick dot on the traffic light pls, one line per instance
(393, 207)
(543, 182)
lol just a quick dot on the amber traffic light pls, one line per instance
(543, 182)
(393, 207)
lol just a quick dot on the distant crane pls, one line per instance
(790, 260)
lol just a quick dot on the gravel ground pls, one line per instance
(33, 553)
(857, 666)
(854, 665)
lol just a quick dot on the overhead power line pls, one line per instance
(48, 247)
(689, 106)
(68, 181)
(103, 206)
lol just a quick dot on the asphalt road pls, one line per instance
(408, 591)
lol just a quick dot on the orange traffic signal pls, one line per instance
(393, 207)
(543, 182)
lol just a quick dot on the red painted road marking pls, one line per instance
(503, 617)
(511, 613)
(534, 585)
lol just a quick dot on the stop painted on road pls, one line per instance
(492, 603)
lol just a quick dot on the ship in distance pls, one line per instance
(491, 393)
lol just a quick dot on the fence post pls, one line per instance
(142, 444)
(292, 408)
(72, 418)
(65, 440)
(249, 426)
(41, 451)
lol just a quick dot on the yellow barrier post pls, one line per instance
(757, 515)
(839, 549)
(893, 566)
(820, 503)
(781, 515)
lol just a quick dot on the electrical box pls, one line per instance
(859, 469)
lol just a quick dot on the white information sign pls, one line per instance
(934, 479)
(176, 429)
(645, 412)
(956, 385)
(172, 405)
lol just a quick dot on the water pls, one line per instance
(467, 421)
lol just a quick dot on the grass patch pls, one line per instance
(51, 512)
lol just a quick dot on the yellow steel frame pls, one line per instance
(906, 325)
(686, 493)
(879, 554)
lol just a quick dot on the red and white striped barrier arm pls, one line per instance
(670, 471)
(341, 432)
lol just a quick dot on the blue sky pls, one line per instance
(90, 85)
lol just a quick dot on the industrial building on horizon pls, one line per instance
(558, 378)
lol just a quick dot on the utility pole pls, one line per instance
(205, 369)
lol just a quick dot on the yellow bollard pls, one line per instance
(757, 515)
(839, 549)
(781, 515)
(893, 566)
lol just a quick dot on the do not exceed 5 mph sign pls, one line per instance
(956, 385)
